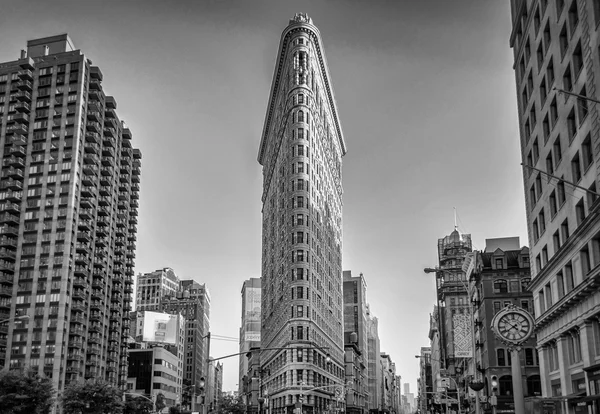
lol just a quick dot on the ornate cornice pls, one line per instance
(313, 32)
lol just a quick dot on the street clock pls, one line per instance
(513, 325)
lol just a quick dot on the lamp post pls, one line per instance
(463, 282)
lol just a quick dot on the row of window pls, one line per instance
(503, 357)
(565, 280)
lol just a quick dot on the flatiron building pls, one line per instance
(301, 152)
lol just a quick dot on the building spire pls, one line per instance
(455, 225)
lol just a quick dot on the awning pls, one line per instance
(574, 398)
(589, 398)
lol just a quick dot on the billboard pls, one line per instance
(252, 314)
(463, 340)
(160, 327)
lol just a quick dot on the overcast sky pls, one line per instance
(426, 98)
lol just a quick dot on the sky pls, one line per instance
(426, 98)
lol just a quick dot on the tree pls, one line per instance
(94, 396)
(175, 410)
(25, 392)
(137, 405)
(230, 404)
(160, 402)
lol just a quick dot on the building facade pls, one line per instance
(153, 287)
(555, 45)
(192, 300)
(249, 335)
(425, 381)
(68, 188)
(501, 279)
(154, 371)
(374, 373)
(355, 342)
(455, 317)
(301, 153)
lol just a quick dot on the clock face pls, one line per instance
(514, 327)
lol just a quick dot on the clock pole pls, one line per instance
(517, 380)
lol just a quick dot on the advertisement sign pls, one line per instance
(463, 340)
(252, 314)
(160, 327)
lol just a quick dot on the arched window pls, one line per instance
(300, 116)
(505, 385)
(500, 286)
(534, 386)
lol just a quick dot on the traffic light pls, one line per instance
(494, 382)
(201, 384)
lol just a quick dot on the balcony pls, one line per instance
(6, 254)
(13, 172)
(26, 74)
(23, 96)
(95, 84)
(9, 218)
(94, 350)
(85, 225)
(25, 85)
(108, 161)
(23, 107)
(79, 282)
(86, 202)
(86, 213)
(83, 236)
(94, 115)
(76, 332)
(90, 159)
(8, 242)
(5, 291)
(9, 231)
(92, 137)
(75, 343)
(74, 356)
(80, 294)
(110, 132)
(98, 294)
(92, 148)
(95, 339)
(13, 185)
(107, 171)
(17, 128)
(90, 169)
(6, 280)
(95, 316)
(79, 307)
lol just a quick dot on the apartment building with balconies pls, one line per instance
(69, 185)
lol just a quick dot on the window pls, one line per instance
(542, 301)
(564, 41)
(500, 286)
(576, 168)
(540, 56)
(546, 128)
(497, 307)
(536, 152)
(542, 218)
(580, 211)
(586, 264)
(587, 152)
(550, 72)
(573, 16)
(582, 107)
(564, 229)
(574, 346)
(571, 125)
(553, 112)
(548, 295)
(560, 186)
(529, 357)
(568, 79)
(556, 241)
(596, 329)
(499, 263)
(547, 36)
(536, 230)
(505, 383)
(501, 358)
(569, 281)
(553, 204)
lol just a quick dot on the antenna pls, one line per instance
(455, 225)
